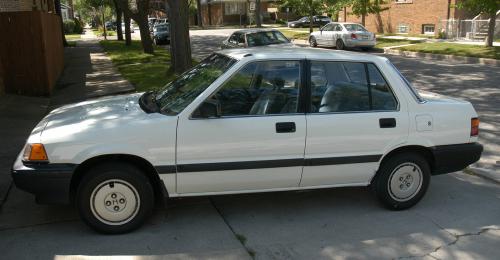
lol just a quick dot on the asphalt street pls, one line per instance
(458, 218)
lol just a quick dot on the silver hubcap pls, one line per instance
(405, 181)
(114, 202)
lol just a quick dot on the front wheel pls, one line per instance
(115, 198)
(313, 42)
(402, 180)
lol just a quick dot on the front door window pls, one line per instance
(261, 88)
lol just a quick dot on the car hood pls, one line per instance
(93, 115)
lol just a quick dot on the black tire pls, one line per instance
(339, 44)
(404, 163)
(111, 176)
(313, 42)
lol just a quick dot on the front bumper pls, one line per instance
(50, 183)
(451, 158)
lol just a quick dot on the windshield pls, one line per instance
(354, 27)
(266, 38)
(178, 94)
(408, 84)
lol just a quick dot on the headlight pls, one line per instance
(35, 153)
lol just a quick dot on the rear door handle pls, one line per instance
(285, 127)
(387, 122)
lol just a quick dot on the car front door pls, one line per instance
(354, 119)
(337, 34)
(325, 34)
(257, 140)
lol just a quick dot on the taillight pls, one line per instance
(354, 36)
(474, 127)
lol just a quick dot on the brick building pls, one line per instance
(27, 5)
(226, 12)
(410, 16)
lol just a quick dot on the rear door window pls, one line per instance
(349, 87)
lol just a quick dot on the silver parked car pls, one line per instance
(255, 38)
(343, 35)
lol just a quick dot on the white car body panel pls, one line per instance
(117, 125)
(329, 37)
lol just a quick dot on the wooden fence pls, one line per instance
(31, 52)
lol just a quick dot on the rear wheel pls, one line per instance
(402, 180)
(115, 198)
(312, 41)
(339, 44)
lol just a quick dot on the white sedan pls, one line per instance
(242, 121)
(343, 35)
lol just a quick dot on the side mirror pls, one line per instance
(208, 109)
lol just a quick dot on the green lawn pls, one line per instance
(144, 71)
(72, 37)
(385, 42)
(100, 32)
(298, 33)
(456, 49)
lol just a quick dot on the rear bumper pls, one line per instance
(360, 43)
(50, 183)
(451, 158)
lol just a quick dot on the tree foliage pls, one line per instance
(489, 7)
(362, 8)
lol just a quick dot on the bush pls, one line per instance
(78, 27)
(281, 21)
(69, 26)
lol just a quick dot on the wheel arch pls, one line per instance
(147, 168)
(426, 152)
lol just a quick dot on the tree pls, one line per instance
(364, 7)
(57, 4)
(490, 8)
(180, 44)
(128, 37)
(306, 7)
(198, 13)
(258, 17)
(138, 10)
(119, 14)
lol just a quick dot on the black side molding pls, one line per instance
(244, 165)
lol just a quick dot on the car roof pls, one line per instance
(254, 30)
(346, 23)
(270, 52)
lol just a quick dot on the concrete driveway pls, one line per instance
(458, 218)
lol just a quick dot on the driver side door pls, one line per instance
(257, 140)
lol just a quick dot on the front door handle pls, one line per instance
(387, 122)
(285, 127)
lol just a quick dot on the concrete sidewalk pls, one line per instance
(88, 73)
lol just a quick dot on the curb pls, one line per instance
(490, 175)
(445, 57)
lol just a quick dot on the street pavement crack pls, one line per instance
(250, 252)
(456, 237)
(6, 195)
(38, 225)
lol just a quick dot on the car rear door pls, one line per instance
(355, 118)
(258, 141)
